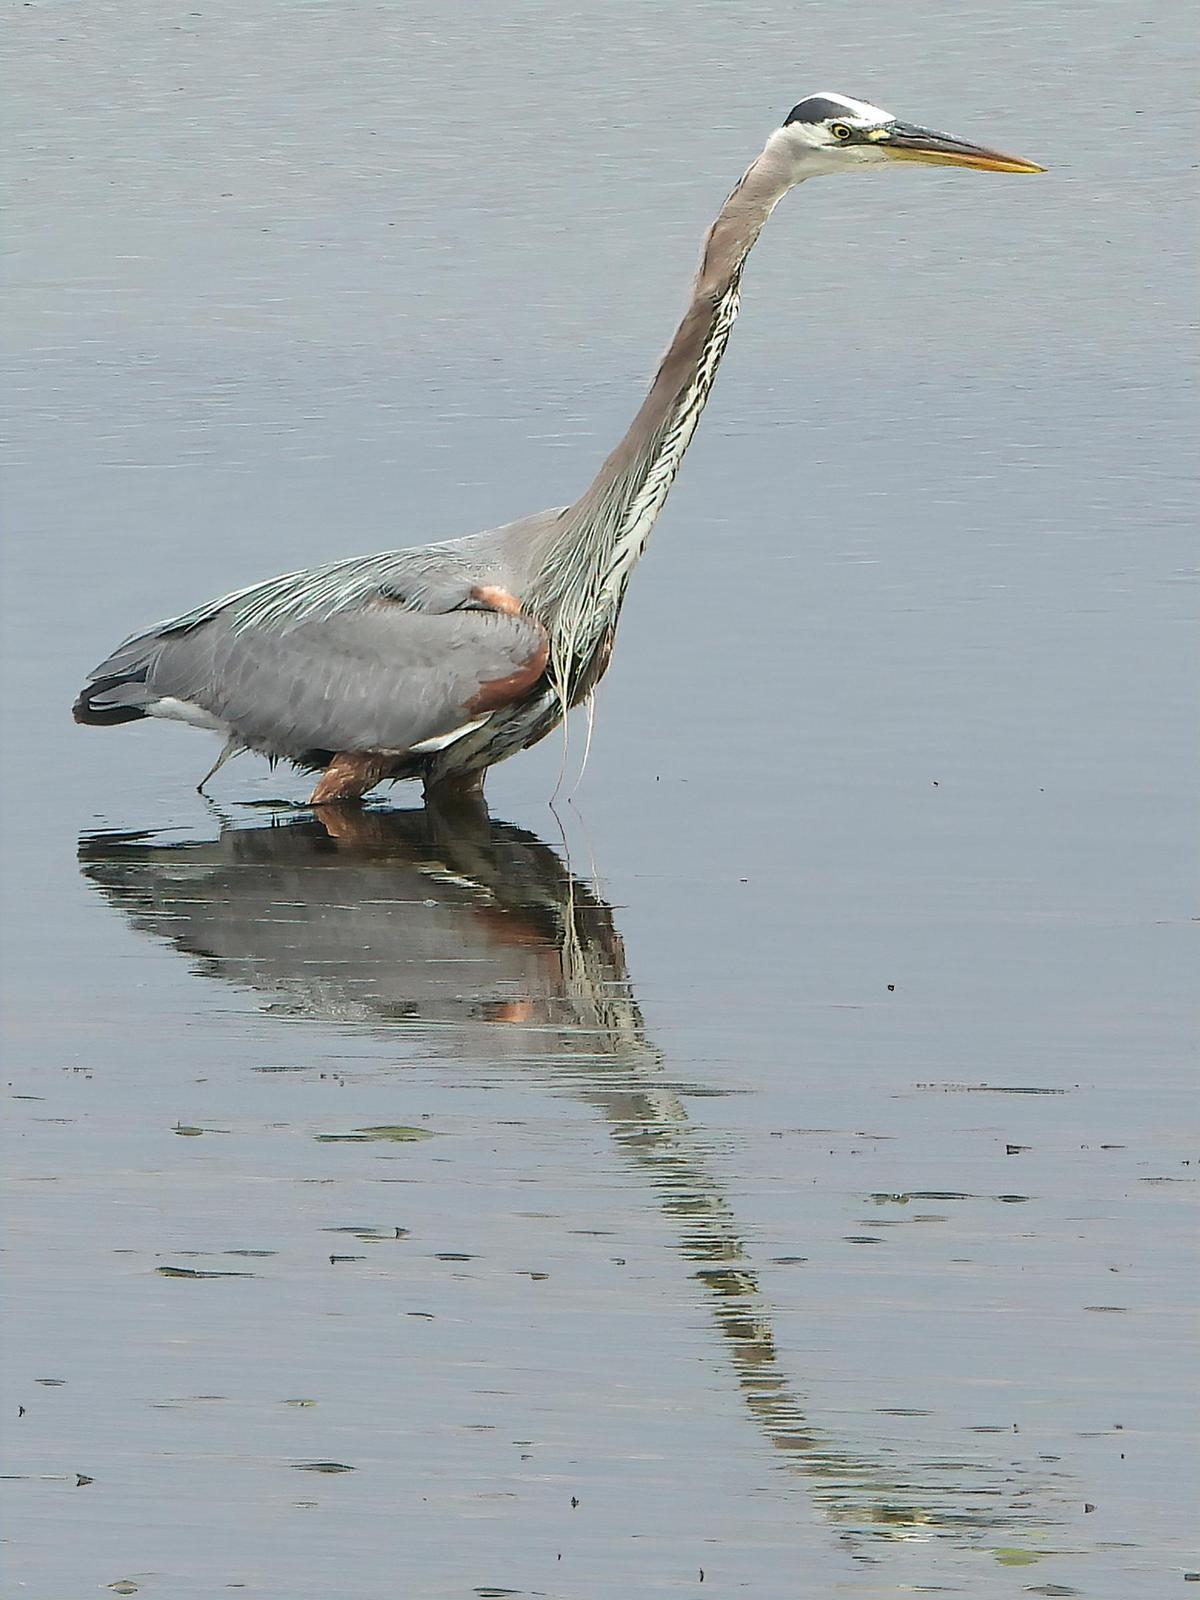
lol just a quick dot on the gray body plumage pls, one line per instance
(443, 659)
(376, 653)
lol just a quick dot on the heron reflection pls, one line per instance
(477, 934)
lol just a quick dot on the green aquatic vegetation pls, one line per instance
(368, 1233)
(194, 1272)
(393, 1133)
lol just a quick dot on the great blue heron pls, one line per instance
(440, 660)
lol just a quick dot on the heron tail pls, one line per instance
(120, 697)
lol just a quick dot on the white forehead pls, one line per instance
(857, 110)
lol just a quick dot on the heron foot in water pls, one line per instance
(458, 800)
(348, 777)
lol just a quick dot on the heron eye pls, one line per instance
(839, 130)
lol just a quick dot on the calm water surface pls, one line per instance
(775, 1176)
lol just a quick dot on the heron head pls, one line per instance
(832, 133)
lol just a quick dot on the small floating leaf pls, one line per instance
(367, 1233)
(186, 1131)
(299, 1402)
(192, 1272)
(321, 1466)
(1013, 1556)
(124, 1586)
(396, 1133)
(990, 1088)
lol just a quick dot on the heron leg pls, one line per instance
(231, 747)
(458, 798)
(348, 777)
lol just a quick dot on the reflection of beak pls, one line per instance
(908, 143)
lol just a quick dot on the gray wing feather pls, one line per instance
(368, 653)
(433, 577)
(378, 678)
(430, 576)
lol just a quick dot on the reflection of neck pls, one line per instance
(336, 958)
(603, 534)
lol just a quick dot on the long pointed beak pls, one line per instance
(906, 142)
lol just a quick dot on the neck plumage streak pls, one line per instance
(588, 579)
(630, 536)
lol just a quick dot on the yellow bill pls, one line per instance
(905, 142)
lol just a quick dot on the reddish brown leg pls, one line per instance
(353, 827)
(457, 804)
(348, 777)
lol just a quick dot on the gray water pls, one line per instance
(769, 1172)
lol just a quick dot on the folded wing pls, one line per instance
(377, 675)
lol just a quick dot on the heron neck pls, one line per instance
(602, 535)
